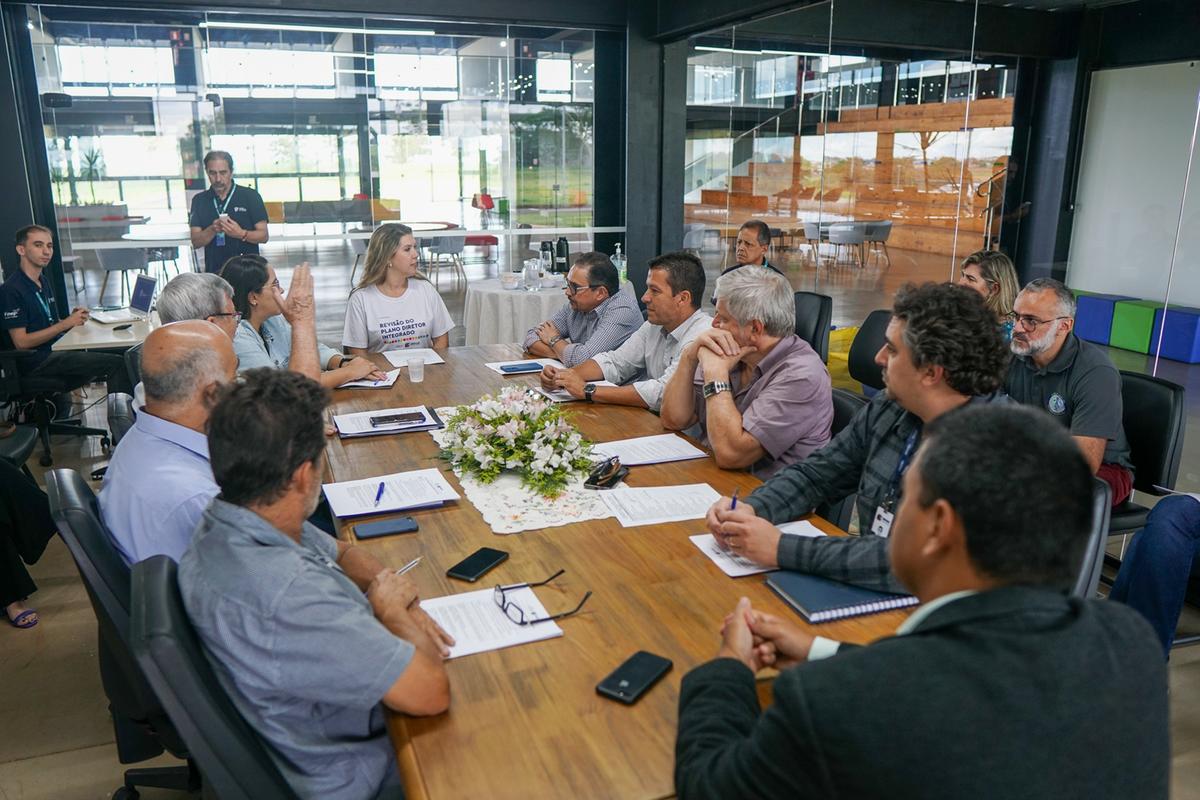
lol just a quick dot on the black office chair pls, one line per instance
(814, 312)
(121, 415)
(845, 405)
(17, 448)
(37, 393)
(1153, 413)
(232, 757)
(133, 364)
(1087, 579)
(142, 728)
(866, 344)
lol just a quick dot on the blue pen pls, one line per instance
(379, 494)
(733, 500)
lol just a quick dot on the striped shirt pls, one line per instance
(604, 328)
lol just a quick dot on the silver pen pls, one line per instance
(409, 566)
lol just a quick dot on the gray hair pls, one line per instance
(193, 295)
(181, 379)
(759, 293)
(1062, 295)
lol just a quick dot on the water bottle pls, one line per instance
(619, 262)
(533, 274)
(562, 255)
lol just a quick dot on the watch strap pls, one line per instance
(589, 391)
(714, 388)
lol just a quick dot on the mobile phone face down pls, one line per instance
(397, 419)
(632, 679)
(476, 565)
(526, 366)
(385, 527)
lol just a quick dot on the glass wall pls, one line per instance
(870, 169)
(340, 124)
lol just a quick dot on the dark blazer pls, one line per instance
(1012, 693)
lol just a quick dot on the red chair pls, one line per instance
(484, 202)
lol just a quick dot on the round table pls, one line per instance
(495, 315)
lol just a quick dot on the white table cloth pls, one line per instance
(495, 315)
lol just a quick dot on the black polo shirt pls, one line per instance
(24, 305)
(243, 205)
(1081, 388)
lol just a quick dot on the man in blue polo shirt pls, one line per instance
(227, 220)
(34, 320)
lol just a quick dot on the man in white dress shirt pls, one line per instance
(645, 362)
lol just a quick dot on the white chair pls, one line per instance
(452, 248)
(847, 235)
(693, 238)
(812, 237)
(359, 246)
(877, 234)
(123, 260)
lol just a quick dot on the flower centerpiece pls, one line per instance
(520, 430)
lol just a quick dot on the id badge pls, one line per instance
(882, 525)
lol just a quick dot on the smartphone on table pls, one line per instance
(476, 565)
(385, 527)
(634, 678)
(524, 366)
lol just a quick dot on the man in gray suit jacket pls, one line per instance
(999, 686)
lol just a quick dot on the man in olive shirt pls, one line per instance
(227, 220)
(1072, 380)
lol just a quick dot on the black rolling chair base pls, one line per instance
(184, 778)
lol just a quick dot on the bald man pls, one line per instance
(159, 480)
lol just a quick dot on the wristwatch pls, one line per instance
(714, 388)
(589, 389)
(554, 341)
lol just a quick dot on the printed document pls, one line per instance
(659, 504)
(736, 566)
(399, 358)
(649, 449)
(495, 366)
(417, 489)
(478, 625)
(390, 380)
(359, 424)
(562, 395)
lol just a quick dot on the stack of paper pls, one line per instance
(417, 489)
(563, 396)
(478, 625)
(366, 383)
(658, 504)
(737, 566)
(649, 449)
(399, 358)
(495, 366)
(359, 424)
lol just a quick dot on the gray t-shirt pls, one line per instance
(1081, 388)
(296, 646)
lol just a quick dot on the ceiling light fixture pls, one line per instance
(267, 26)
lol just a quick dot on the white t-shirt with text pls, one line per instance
(378, 322)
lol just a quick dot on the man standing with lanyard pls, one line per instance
(227, 220)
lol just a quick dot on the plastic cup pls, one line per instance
(416, 370)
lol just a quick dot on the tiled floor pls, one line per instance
(57, 739)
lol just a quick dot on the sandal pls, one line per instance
(22, 620)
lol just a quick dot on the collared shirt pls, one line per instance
(24, 304)
(157, 485)
(243, 205)
(862, 459)
(604, 328)
(648, 357)
(272, 347)
(297, 648)
(728, 270)
(825, 648)
(1081, 388)
(787, 405)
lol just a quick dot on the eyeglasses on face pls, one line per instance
(517, 614)
(272, 285)
(574, 288)
(237, 316)
(1029, 323)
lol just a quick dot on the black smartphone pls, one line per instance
(476, 565)
(524, 366)
(124, 327)
(385, 527)
(397, 419)
(630, 681)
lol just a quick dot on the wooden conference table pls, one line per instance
(526, 722)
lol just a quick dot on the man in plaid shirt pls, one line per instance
(942, 350)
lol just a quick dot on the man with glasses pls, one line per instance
(1072, 380)
(310, 636)
(199, 295)
(159, 480)
(599, 315)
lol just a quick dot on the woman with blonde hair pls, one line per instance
(992, 274)
(393, 307)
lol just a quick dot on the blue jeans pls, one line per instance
(1154, 572)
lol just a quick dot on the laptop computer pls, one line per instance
(139, 303)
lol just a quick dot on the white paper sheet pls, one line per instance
(562, 395)
(399, 358)
(649, 449)
(802, 527)
(495, 366)
(1172, 491)
(478, 625)
(390, 380)
(658, 504)
(359, 423)
(416, 489)
(731, 564)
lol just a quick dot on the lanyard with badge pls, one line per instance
(219, 239)
(50, 317)
(886, 511)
